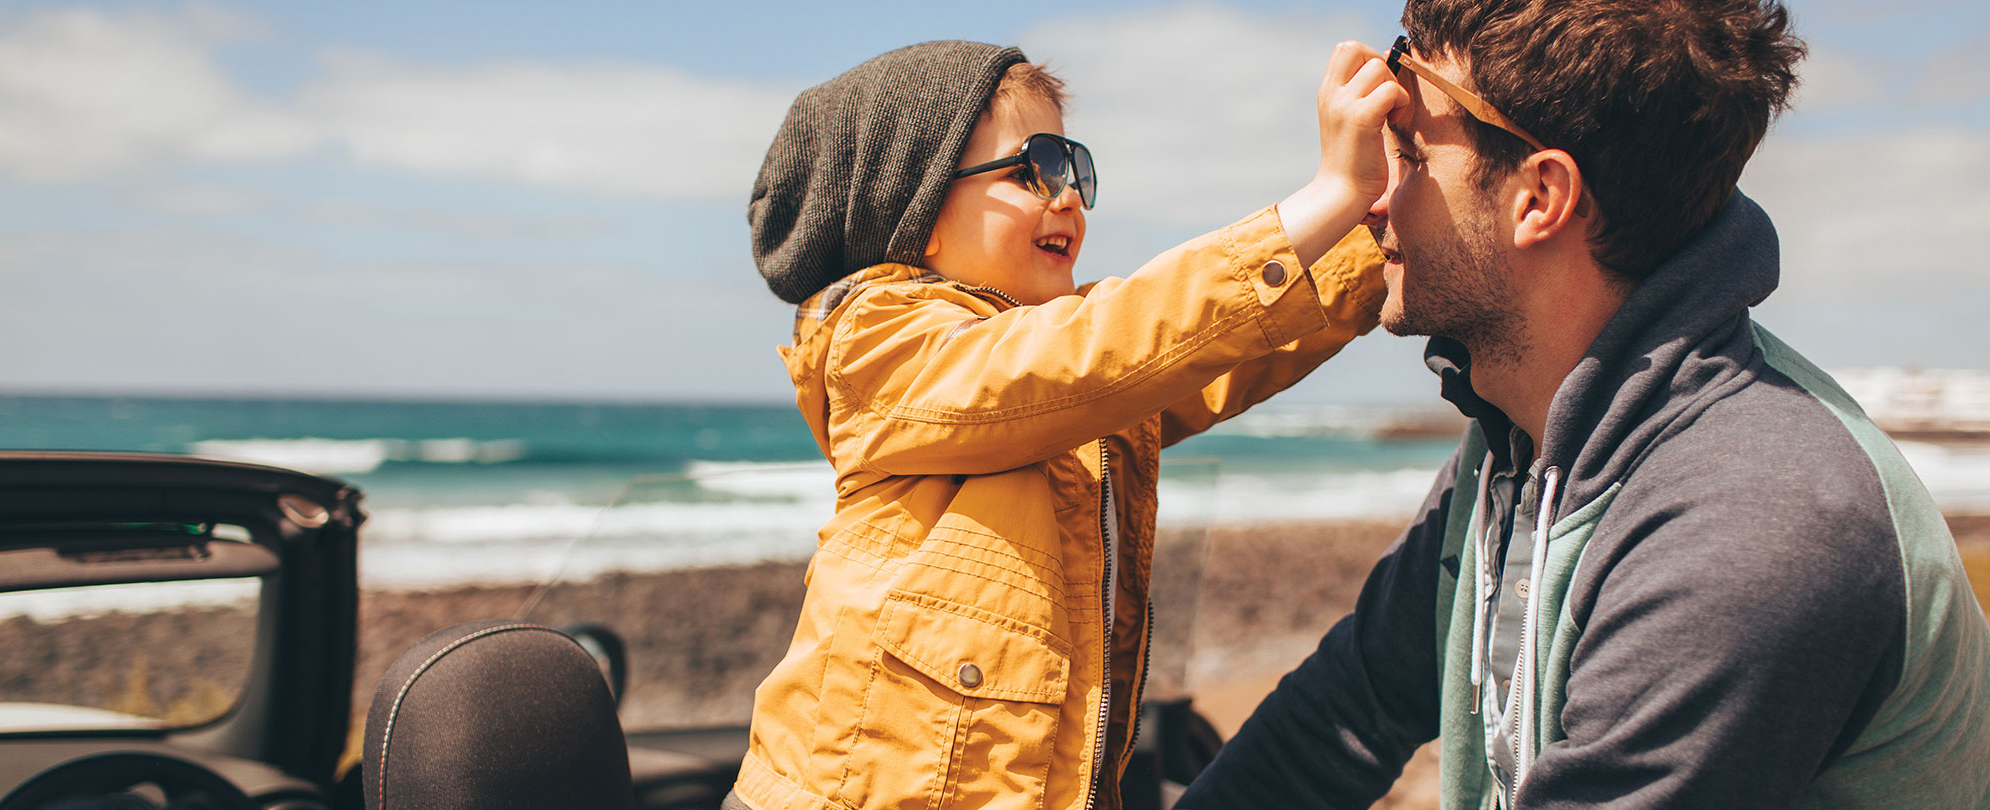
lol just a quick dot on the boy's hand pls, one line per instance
(1357, 98)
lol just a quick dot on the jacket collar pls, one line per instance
(811, 313)
(1680, 333)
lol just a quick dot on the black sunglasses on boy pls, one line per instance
(1054, 162)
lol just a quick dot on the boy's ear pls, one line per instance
(932, 245)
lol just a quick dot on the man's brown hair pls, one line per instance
(1660, 102)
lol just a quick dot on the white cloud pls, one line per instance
(1198, 114)
(597, 127)
(455, 222)
(1858, 212)
(1831, 79)
(1956, 75)
(184, 200)
(84, 93)
(183, 310)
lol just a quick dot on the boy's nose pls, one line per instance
(1067, 199)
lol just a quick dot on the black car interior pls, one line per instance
(491, 714)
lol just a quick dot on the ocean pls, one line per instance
(461, 492)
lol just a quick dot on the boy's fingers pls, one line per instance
(1400, 109)
(1349, 58)
(1346, 59)
(1376, 90)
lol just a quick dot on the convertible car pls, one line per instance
(178, 632)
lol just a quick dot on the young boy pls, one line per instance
(976, 618)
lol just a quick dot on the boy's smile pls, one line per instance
(993, 231)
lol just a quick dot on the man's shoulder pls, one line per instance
(1779, 441)
(1770, 498)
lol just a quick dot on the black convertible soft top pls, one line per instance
(83, 518)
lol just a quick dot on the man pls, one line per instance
(1671, 564)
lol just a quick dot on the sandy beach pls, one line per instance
(699, 640)
(1236, 608)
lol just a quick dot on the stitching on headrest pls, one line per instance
(387, 731)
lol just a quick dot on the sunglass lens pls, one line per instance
(1046, 158)
(1083, 175)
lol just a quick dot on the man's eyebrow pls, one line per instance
(1403, 135)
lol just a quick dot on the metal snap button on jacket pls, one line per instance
(1274, 272)
(970, 675)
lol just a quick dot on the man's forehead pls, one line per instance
(1435, 117)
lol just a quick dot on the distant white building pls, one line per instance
(1932, 404)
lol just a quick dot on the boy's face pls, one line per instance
(993, 231)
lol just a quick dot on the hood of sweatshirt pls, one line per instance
(1668, 351)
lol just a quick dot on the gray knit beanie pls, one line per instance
(861, 166)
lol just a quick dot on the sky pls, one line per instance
(546, 201)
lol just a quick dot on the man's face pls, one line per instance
(1447, 273)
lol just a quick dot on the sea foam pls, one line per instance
(358, 456)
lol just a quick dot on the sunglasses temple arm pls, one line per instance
(998, 163)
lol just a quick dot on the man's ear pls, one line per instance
(1548, 198)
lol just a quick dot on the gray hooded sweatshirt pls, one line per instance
(1744, 597)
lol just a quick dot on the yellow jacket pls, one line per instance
(951, 651)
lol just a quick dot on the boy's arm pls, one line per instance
(935, 392)
(1352, 295)
(930, 388)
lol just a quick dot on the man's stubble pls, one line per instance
(1458, 286)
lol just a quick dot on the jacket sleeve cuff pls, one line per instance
(1263, 262)
(1350, 282)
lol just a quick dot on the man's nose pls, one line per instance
(1378, 211)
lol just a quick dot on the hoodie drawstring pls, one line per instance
(1480, 584)
(1530, 628)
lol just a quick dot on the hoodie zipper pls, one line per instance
(1530, 627)
(1105, 612)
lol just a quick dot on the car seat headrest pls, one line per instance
(491, 715)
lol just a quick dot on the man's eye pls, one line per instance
(1407, 158)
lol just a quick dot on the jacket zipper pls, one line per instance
(1105, 612)
(1530, 626)
(1140, 686)
(1105, 598)
(991, 291)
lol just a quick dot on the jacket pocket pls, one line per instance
(961, 709)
